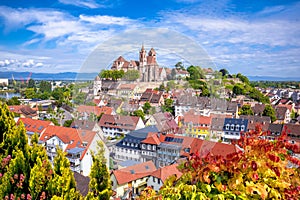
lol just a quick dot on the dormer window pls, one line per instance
(237, 127)
(227, 126)
(232, 127)
(242, 127)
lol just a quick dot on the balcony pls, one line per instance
(75, 168)
(75, 161)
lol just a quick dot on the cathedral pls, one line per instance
(147, 66)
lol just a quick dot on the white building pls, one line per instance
(77, 143)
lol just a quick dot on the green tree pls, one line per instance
(269, 111)
(30, 93)
(45, 86)
(139, 113)
(246, 110)
(146, 107)
(106, 74)
(179, 66)
(13, 101)
(100, 185)
(63, 183)
(31, 84)
(168, 106)
(224, 72)
(195, 72)
(68, 123)
(243, 78)
(238, 89)
(131, 75)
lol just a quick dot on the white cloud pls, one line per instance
(107, 20)
(82, 3)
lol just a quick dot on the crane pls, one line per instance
(28, 77)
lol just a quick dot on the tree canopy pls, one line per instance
(262, 170)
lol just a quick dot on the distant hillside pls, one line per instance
(48, 76)
(271, 78)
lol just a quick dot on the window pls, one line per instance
(242, 127)
(227, 126)
(232, 127)
(149, 147)
(143, 146)
(237, 128)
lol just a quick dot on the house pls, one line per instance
(154, 97)
(88, 125)
(158, 177)
(172, 148)
(34, 126)
(233, 128)
(118, 125)
(204, 106)
(283, 115)
(115, 104)
(293, 133)
(216, 128)
(255, 122)
(131, 179)
(274, 131)
(149, 147)
(24, 111)
(130, 147)
(77, 143)
(165, 122)
(195, 125)
(129, 91)
(130, 106)
(91, 112)
(258, 109)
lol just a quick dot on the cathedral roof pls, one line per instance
(152, 52)
(121, 59)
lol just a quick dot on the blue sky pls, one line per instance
(252, 37)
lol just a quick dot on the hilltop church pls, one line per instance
(147, 66)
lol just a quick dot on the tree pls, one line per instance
(131, 75)
(139, 113)
(13, 101)
(168, 106)
(179, 66)
(31, 84)
(146, 107)
(63, 183)
(68, 123)
(100, 186)
(238, 89)
(243, 78)
(246, 110)
(269, 111)
(224, 72)
(45, 86)
(263, 170)
(25, 171)
(195, 72)
(30, 93)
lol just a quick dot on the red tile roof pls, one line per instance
(72, 137)
(128, 174)
(165, 172)
(119, 121)
(34, 125)
(152, 138)
(23, 109)
(94, 109)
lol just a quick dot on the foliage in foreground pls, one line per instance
(263, 170)
(25, 171)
